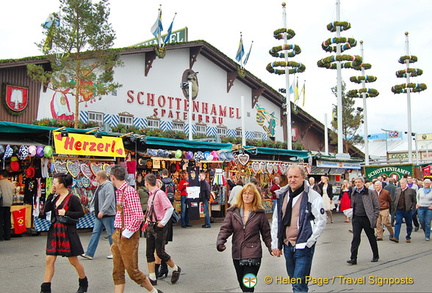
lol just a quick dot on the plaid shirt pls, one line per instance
(133, 213)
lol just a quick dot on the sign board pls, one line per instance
(424, 136)
(88, 145)
(340, 165)
(395, 171)
(177, 36)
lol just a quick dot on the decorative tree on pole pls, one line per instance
(364, 93)
(408, 87)
(339, 45)
(78, 44)
(290, 67)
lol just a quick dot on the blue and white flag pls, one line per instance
(157, 27)
(240, 50)
(168, 36)
(247, 55)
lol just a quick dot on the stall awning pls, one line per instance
(185, 144)
(11, 127)
(279, 152)
(319, 171)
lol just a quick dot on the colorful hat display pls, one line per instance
(48, 151)
(39, 151)
(32, 150)
(178, 154)
(30, 172)
(23, 152)
(8, 152)
(14, 166)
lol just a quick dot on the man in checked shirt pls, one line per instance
(129, 216)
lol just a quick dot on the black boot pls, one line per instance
(46, 287)
(157, 267)
(162, 271)
(83, 285)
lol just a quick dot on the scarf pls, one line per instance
(427, 190)
(292, 194)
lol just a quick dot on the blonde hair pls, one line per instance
(257, 202)
(345, 184)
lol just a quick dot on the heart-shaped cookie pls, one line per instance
(73, 168)
(85, 169)
(94, 167)
(283, 168)
(243, 159)
(60, 167)
(255, 167)
(107, 168)
(269, 167)
(263, 166)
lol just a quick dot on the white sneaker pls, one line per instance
(87, 256)
(109, 256)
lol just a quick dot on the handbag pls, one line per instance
(175, 217)
(67, 220)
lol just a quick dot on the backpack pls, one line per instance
(170, 189)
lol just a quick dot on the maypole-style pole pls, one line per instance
(407, 62)
(243, 120)
(289, 67)
(408, 87)
(287, 83)
(363, 93)
(365, 119)
(339, 84)
(326, 141)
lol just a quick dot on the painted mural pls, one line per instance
(264, 117)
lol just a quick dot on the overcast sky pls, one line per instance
(380, 24)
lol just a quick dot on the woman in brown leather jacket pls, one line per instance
(245, 221)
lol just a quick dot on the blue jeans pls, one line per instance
(108, 223)
(206, 213)
(298, 265)
(184, 211)
(402, 214)
(425, 217)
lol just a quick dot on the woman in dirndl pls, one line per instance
(63, 239)
(345, 198)
(327, 196)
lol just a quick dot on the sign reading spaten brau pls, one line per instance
(395, 171)
(89, 145)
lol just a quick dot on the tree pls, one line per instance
(352, 119)
(78, 43)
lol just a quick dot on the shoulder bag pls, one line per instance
(66, 219)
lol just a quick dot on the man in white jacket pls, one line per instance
(298, 221)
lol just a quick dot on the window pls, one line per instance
(178, 126)
(96, 117)
(258, 135)
(201, 129)
(221, 131)
(239, 132)
(126, 120)
(153, 124)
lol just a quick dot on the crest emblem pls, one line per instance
(15, 98)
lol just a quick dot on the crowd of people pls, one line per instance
(301, 209)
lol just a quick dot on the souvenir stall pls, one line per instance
(175, 155)
(81, 156)
(264, 164)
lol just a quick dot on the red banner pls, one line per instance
(19, 221)
(426, 171)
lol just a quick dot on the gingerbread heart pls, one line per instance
(243, 159)
(73, 168)
(283, 168)
(60, 167)
(255, 167)
(263, 166)
(107, 168)
(85, 169)
(270, 167)
(95, 168)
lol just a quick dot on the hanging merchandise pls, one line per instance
(19, 221)
(23, 153)
(219, 178)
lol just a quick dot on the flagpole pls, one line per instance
(190, 109)
(325, 135)
(243, 121)
(287, 91)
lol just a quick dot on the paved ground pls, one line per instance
(206, 270)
